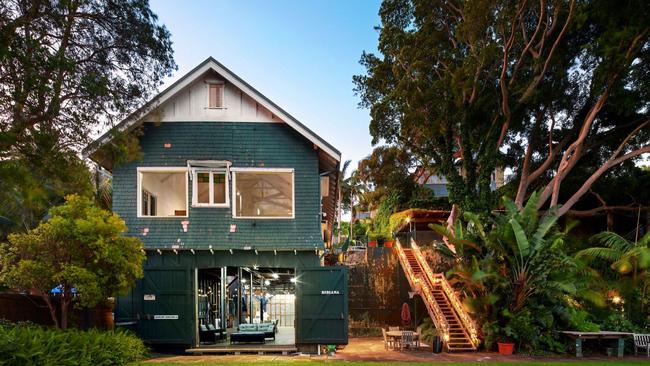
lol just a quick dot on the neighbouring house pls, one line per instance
(438, 183)
(234, 200)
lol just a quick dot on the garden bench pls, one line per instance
(580, 336)
(642, 341)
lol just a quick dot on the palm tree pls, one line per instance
(349, 189)
(626, 257)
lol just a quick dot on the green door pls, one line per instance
(322, 305)
(168, 306)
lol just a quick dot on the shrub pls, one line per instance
(25, 344)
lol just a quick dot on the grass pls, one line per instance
(289, 361)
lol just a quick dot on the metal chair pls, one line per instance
(642, 341)
(407, 340)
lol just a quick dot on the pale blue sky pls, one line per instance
(300, 54)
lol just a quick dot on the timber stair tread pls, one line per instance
(458, 337)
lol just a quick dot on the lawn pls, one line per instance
(304, 362)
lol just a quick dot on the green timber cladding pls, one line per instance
(171, 279)
(245, 144)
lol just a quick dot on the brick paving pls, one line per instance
(372, 350)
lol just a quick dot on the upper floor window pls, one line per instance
(162, 192)
(215, 95)
(210, 188)
(263, 193)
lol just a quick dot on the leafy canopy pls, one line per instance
(535, 86)
(80, 246)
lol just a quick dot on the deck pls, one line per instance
(284, 343)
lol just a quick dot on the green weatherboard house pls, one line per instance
(234, 200)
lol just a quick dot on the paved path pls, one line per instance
(372, 349)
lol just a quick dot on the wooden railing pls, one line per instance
(439, 279)
(420, 285)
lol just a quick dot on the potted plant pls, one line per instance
(429, 334)
(372, 241)
(388, 242)
(506, 347)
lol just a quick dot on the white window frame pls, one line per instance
(223, 94)
(234, 172)
(141, 170)
(211, 171)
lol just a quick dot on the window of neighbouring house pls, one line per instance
(210, 188)
(263, 193)
(162, 193)
(215, 95)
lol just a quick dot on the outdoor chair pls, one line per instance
(642, 341)
(407, 340)
(388, 342)
(393, 329)
(417, 337)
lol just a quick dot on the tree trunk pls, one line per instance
(51, 308)
(64, 313)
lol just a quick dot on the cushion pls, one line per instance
(265, 327)
(247, 327)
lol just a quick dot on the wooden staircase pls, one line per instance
(452, 321)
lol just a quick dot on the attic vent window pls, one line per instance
(215, 95)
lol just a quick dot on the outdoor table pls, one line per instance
(397, 335)
(579, 336)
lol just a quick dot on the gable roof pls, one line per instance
(136, 118)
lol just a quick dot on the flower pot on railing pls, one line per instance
(388, 243)
(372, 243)
(505, 348)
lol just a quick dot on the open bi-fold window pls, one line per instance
(162, 192)
(265, 193)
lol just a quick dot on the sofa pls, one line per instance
(210, 334)
(268, 329)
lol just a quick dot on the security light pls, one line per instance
(293, 280)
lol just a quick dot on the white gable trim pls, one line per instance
(192, 76)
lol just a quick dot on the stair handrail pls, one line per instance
(439, 278)
(420, 285)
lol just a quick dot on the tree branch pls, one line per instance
(590, 181)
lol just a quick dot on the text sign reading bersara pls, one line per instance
(165, 317)
(329, 292)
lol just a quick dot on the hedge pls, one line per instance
(26, 344)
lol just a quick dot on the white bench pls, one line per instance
(642, 341)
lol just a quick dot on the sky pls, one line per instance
(301, 54)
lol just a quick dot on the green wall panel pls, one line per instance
(245, 144)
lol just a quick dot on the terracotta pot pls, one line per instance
(505, 348)
(388, 243)
(372, 243)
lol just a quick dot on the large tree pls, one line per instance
(68, 68)
(537, 86)
(80, 250)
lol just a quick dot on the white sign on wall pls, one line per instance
(149, 297)
(165, 317)
(330, 292)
